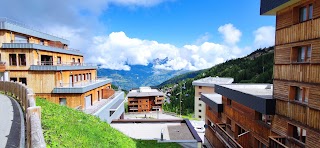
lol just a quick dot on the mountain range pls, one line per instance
(140, 75)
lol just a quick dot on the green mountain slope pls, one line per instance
(257, 67)
(66, 127)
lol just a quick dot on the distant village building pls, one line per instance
(145, 99)
(205, 85)
(55, 72)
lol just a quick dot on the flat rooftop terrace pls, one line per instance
(212, 81)
(259, 90)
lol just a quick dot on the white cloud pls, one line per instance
(231, 35)
(264, 36)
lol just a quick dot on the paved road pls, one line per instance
(10, 123)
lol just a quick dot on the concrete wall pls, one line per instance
(198, 104)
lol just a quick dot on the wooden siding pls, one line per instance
(281, 91)
(279, 125)
(64, 76)
(247, 121)
(283, 52)
(212, 115)
(212, 138)
(313, 139)
(300, 73)
(73, 100)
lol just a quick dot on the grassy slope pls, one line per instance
(65, 127)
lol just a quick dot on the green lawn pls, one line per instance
(66, 127)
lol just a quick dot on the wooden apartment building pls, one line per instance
(46, 64)
(239, 115)
(145, 99)
(296, 72)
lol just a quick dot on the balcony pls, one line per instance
(108, 109)
(133, 108)
(8, 24)
(2, 66)
(277, 142)
(39, 47)
(156, 107)
(225, 137)
(133, 103)
(158, 101)
(80, 87)
(299, 32)
(57, 66)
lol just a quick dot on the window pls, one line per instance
(200, 87)
(229, 102)
(73, 60)
(79, 77)
(301, 53)
(199, 116)
(199, 99)
(298, 133)
(306, 13)
(41, 42)
(59, 60)
(228, 122)
(13, 79)
(78, 60)
(300, 94)
(263, 117)
(22, 59)
(75, 78)
(199, 104)
(240, 130)
(83, 77)
(12, 59)
(199, 110)
(63, 101)
(23, 80)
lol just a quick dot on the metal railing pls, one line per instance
(26, 98)
(277, 142)
(133, 108)
(11, 21)
(59, 63)
(42, 43)
(220, 129)
(82, 83)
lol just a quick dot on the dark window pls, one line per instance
(13, 59)
(199, 110)
(229, 102)
(199, 104)
(298, 133)
(303, 14)
(199, 116)
(240, 130)
(63, 101)
(199, 98)
(228, 122)
(73, 60)
(23, 80)
(264, 118)
(79, 61)
(200, 87)
(306, 13)
(304, 54)
(59, 60)
(301, 94)
(260, 144)
(13, 79)
(22, 59)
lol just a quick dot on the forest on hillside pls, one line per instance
(257, 67)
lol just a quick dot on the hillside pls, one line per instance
(66, 127)
(257, 67)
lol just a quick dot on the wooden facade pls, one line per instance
(297, 83)
(145, 104)
(18, 59)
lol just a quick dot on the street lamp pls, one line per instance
(182, 87)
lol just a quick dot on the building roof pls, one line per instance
(212, 81)
(15, 26)
(270, 7)
(260, 90)
(213, 100)
(144, 92)
(255, 96)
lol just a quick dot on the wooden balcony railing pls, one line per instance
(2, 66)
(277, 142)
(220, 129)
(299, 32)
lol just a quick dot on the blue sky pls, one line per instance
(183, 21)
(193, 35)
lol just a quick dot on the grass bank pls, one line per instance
(66, 127)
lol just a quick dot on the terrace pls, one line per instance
(58, 65)
(80, 87)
